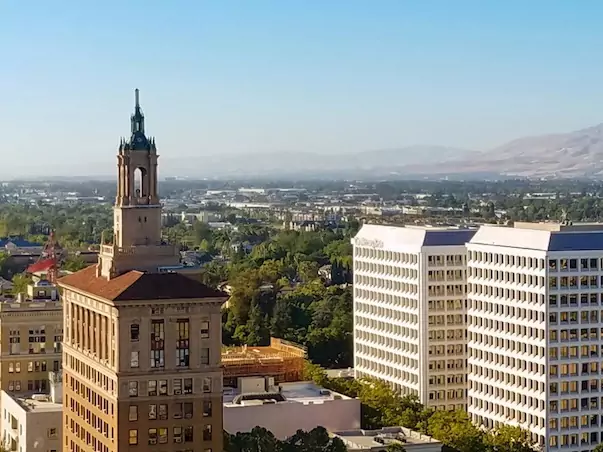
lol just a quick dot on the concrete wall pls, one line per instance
(284, 419)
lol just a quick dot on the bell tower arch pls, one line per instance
(137, 242)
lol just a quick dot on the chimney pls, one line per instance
(56, 386)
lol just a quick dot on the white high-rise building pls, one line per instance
(410, 310)
(535, 325)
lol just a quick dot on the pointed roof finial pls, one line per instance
(136, 95)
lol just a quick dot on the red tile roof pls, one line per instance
(135, 285)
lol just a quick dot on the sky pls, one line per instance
(257, 76)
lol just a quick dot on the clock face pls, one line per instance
(139, 139)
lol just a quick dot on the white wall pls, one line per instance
(285, 418)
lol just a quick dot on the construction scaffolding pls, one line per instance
(282, 360)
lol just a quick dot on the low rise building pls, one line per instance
(33, 422)
(286, 408)
(386, 439)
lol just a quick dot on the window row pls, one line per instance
(405, 258)
(386, 298)
(386, 284)
(496, 327)
(506, 276)
(507, 259)
(500, 378)
(575, 264)
(584, 316)
(483, 290)
(446, 275)
(499, 410)
(575, 334)
(180, 386)
(393, 315)
(573, 299)
(449, 305)
(32, 385)
(158, 358)
(401, 346)
(370, 367)
(382, 269)
(574, 386)
(32, 366)
(179, 435)
(451, 260)
(575, 282)
(516, 364)
(450, 394)
(179, 411)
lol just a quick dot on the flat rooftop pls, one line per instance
(298, 392)
(31, 405)
(547, 236)
(366, 439)
(409, 238)
(555, 226)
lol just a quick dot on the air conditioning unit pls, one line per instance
(152, 440)
(177, 392)
(177, 440)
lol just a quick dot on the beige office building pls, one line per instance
(142, 341)
(31, 329)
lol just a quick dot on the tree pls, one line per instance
(258, 440)
(509, 438)
(395, 447)
(317, 439)
(599, 448)
(74, 264)
(454, 429)
(20, 282)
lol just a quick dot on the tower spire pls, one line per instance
(137, 97)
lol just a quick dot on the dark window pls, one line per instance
(182, 345)
(134, 332)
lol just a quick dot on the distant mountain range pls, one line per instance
(576, 154)
(379, 163)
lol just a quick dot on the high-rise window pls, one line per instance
(205, 330)
(182, 346)
(157, 343)
(205, 356)
(15, 342)
(134, 360)
(207, 408)
(134, 332)
(133, 414)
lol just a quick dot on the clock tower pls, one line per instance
(137, 243)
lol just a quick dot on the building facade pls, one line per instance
(142, 343)
(31, 330)
(410, 310)
(32, 422)
(536, 331)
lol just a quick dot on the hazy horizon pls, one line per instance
(236, 77)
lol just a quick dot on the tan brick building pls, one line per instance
(142, 341)
(31, 334)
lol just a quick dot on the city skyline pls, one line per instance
(229, 77)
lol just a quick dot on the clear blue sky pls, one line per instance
(225, 76)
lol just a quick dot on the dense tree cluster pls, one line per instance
(78, 226)
(261, 440)
(382, 407)
(276, 291)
